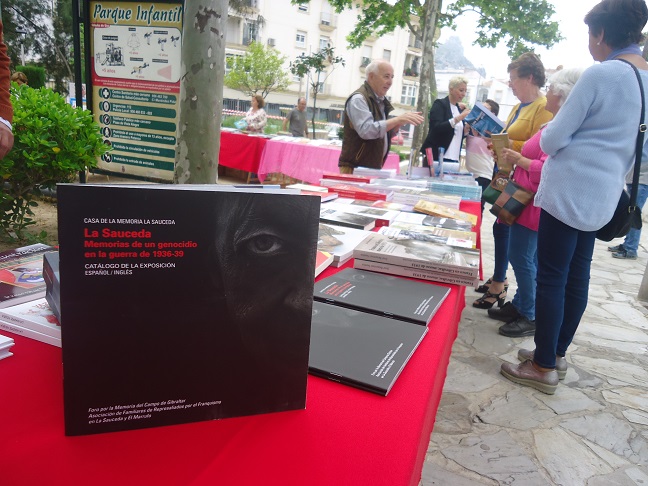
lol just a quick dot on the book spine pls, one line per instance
(414, 273)
(346, 224)
(403, 261)
(367, 196)
(31, 334)
(53, 331)
(26, 296)
(346, 177)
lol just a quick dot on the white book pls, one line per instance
(5, 344)
(339, 241)
(384, 217)
(418, 254)
(35, 315)
(442, 236)
(29, 333)
(415, 273)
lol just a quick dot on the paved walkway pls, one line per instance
(592, 432)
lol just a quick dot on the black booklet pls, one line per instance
(183, 303)
(360, 349)
(383, 295)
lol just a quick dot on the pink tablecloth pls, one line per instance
(305, 162)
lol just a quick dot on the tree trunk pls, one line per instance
(201, 92)
(645, 50)
(427, 80)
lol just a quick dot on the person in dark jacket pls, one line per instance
(367, 126)
(446, 122)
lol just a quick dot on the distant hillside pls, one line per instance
(450, 55)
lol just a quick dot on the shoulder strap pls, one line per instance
(640, 139)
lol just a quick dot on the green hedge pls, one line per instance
(35, 75)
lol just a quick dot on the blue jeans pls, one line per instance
(631, 242)
(564, 259)
(524, 260)
(501, 234)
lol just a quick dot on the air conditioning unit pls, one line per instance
(271, 42)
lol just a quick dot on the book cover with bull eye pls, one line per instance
(183, 303)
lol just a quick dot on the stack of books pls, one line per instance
(412, 195)
(21, 274)
(34, 320)
(339, 241)
(469, 191)
(418, 259)
(5, 344)
(367, 192)
(378, 173)
(366, 327)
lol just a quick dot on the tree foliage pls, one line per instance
(314, 67)
(259, 71)
(47, 37)
(520, 24)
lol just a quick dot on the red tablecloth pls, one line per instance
(345, 436)
(240, 151)
(305, 162)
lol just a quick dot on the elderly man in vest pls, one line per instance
(367, 125)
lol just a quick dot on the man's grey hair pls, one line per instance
(374, 66)
(561, 82)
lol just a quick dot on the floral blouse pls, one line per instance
(256, 121)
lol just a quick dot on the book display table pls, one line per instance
(240, 151)
(305, 161)
(345, 436)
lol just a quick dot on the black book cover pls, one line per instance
(384, 295)
(359, 349)
(183, 303)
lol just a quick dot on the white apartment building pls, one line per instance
(294, 30)
(303, 29)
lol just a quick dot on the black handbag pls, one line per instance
(627, 214)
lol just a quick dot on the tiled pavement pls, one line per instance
(592, 432)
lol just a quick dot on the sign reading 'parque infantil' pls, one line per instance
(135, 62)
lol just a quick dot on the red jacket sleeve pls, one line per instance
(6, 109)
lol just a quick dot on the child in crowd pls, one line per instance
(479, 159)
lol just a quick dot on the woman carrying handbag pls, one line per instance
(591, 146)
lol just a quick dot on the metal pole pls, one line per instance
(78, 80)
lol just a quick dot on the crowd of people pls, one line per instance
(569, 144)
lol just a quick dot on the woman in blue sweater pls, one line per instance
(591, 145)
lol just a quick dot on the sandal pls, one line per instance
(483, 288)
(489, 300)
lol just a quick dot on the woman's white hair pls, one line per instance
(456, 81)
(561, 82)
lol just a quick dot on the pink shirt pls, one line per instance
(530, 179)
